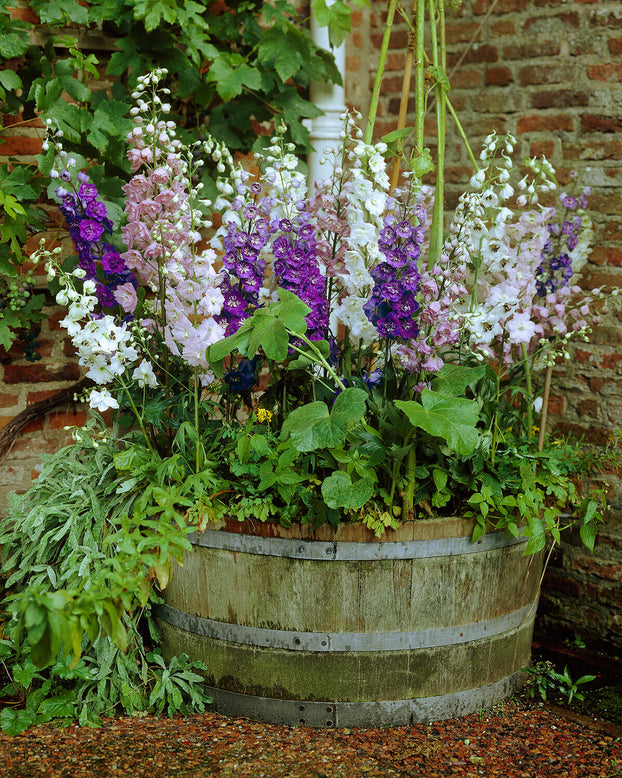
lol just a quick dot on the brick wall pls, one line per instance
(550, 72)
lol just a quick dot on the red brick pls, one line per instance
(604, 19)
(588, 408)
(612, 230)
(460, 32)
(610, 203)
(55, 318)
(19, 145)
(564, 585)
(26, 14)
(8, 120)
(604, 594)
(399, 39)
(504, 6)
(501, 76)
(606, 255)
(503, 27)
(608, 71)
(33, 447)
(596, 384)
(546, 123)
(8, 400)
(557, 404)
(593, 567)
(18, 374)
(561, 98)
(615, 45)
(477, 53)
(530, 50)
(610, 361)
(466, 79)
(61, 419)
(36, 425)
(593, 149)
(546, 74)
(548, 24)
(540, 148)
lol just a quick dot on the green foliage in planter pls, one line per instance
(230, 70)
(83, 562)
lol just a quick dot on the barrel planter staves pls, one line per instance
(342, 629)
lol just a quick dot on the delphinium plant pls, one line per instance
(314, 356)
(399, 381)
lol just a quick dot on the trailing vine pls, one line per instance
(232, 67)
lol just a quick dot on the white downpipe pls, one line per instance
(324, 130)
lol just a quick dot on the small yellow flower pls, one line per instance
(264, 415)
(535, 430)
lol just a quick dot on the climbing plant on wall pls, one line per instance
(232, 67)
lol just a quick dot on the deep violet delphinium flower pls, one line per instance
(88, 224)
(557, 267)
(296, 267)
(393, 303)
(244, 267)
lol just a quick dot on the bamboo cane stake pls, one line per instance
(406, 79)
(384, 47)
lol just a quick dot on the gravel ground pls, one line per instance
(510, 741)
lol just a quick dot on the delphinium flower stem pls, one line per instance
(545, 406)
(373, 106)
(408, 67)
(462, 134)
(317, 354)
(438, 60)
(419, 76)
(529, 391)
(409, 491)
(139, 418)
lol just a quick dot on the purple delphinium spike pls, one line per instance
(88, 224)
(555, 269)
(393, 304)
(244, 269)
(296, 267)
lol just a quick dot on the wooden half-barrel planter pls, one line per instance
(342, 629)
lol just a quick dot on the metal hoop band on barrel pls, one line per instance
(343, 550)
(344, 641)
(382, 713)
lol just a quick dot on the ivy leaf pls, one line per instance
(288, 49)
(339, 491)
(335, 16)
(422, 164)
(61, 12)
(450, 418)
(231, 75)
(152, 12)
(12, 45)
(588, 535)
(9, 81)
